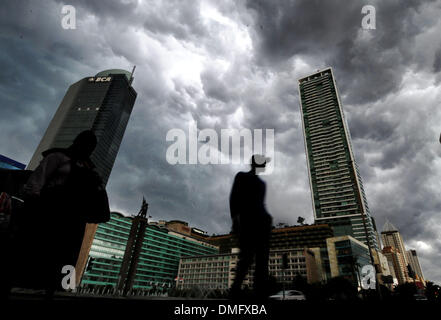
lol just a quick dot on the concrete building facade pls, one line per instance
(218, 271)
(305, 236)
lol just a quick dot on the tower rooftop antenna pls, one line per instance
(131, 74)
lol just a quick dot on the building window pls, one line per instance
(333, 164)
(326, 123)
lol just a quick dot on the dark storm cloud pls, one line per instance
(437, 61)
(30, 83)
(235, 65)
(287, 28)
(165, 18)
(373, 126)
(284, 29)
(215, 87)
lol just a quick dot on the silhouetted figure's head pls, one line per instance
(258, 163)
(83, 145)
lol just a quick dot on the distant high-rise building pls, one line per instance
(102, 103)
(392, 238)
(397, 262)
(412, 258)
(337, 193)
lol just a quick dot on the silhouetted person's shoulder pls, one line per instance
(54, 156)
(54, 151)
(53, 160)
(242, 176)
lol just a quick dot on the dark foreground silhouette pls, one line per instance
(60, 197)
(252, 225)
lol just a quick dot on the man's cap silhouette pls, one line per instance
(259, 159)
(86, 138)
(84, 144)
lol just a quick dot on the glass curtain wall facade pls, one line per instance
(159, 258)
(102, 103)
(337, 193)
(347, 256)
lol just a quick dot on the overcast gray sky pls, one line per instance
(235, 64)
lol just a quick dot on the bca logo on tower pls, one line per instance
(99, 79)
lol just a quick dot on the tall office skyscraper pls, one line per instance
(102, 103)
(337, 193)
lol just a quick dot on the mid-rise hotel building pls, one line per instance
(307, 236)
(218, 271)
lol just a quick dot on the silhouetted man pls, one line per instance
(252, 225)
(56, 194)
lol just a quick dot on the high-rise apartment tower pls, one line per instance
(338, 197)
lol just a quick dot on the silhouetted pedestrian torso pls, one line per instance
(60, 197)
(54, 220)
(252, 225)
(247, 202)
